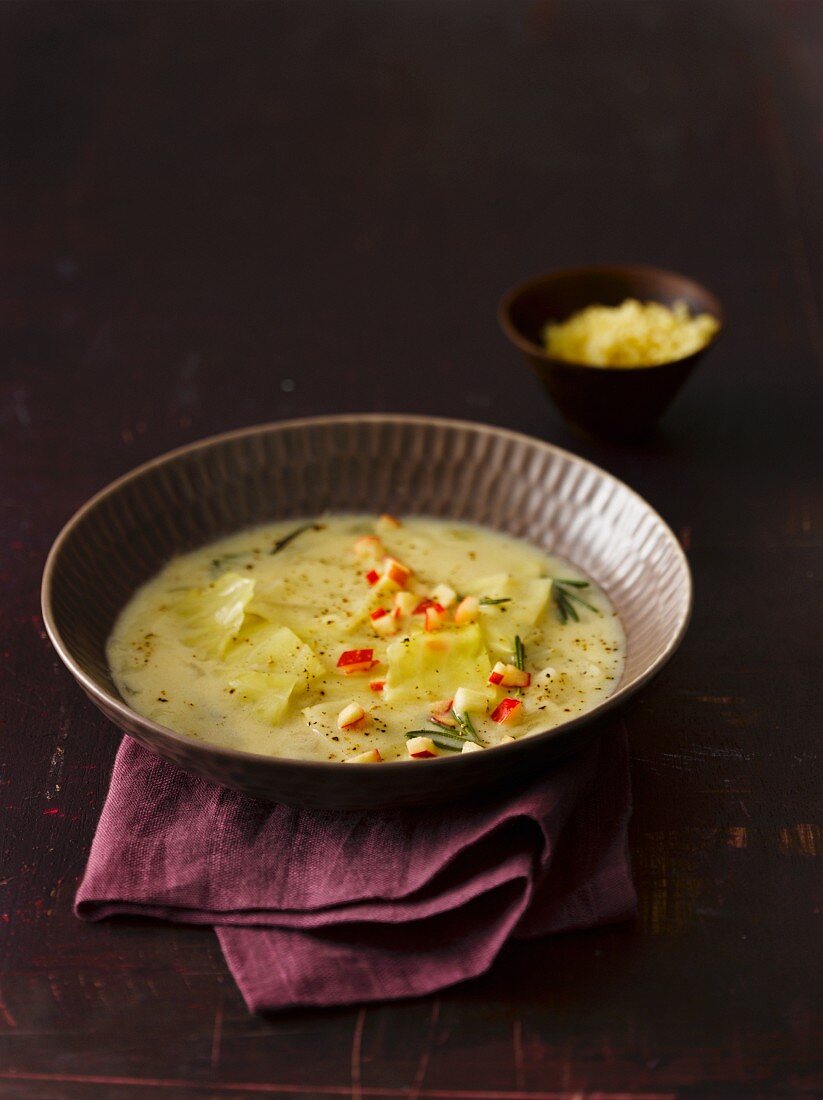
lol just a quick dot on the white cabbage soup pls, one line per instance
(360, 639)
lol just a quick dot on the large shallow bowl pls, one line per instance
(401, 464)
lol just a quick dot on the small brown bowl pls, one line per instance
(615, 402)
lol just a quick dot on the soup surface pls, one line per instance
(353, 638)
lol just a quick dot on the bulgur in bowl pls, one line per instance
(613, 399)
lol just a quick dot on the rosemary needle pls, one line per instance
(440, 738)
(464, 724)
(286, 539)
(563, 598)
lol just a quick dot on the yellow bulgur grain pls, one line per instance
(633, 334)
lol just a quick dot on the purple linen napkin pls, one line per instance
(319, 908)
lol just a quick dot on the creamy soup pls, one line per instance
(357, 639)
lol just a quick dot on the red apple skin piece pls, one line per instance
(509, 710)
(423, 605)
(509, 676)
(377, 685)
(356, 660)
(372, 577)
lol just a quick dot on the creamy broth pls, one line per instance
(272, 640)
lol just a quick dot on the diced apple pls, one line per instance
(389, 521)
(349, 715)
(420, 748)
(441, 713)
(420, 609)
(506, 740)
(356, 660)
(372, 577)
(444, 595)
(384, 624)
(504, 675)
(509, 712)
(396, 572)
(471, 746)
(518, 677)
(467, 610)
(404, 603)
(435, 616)
(371, 757)
(368, 546)
(467, 700)
(377, 685)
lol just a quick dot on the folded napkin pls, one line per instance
(320, 908)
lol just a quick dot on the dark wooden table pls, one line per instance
(220, 214)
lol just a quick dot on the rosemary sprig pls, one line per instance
(489, 601)
(519, 660)
(563, 598)
(464, 724)
(440, 738)
(281, 544)
(217, 562)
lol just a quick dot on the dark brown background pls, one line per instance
(220, 214)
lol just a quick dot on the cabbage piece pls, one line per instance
(358, 617)
(213, 616)
(433, 665)
(304, 619)
(311, 611)
(534, 598)
(269, 648)
(322, 718)
(526, 601)
(275, 594)
(267, 693)
(494, 587)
